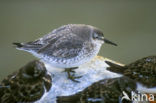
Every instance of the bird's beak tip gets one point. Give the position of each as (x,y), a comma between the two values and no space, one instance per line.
(115,44)
(109,42)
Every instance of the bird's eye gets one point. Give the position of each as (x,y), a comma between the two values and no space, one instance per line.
(95,35)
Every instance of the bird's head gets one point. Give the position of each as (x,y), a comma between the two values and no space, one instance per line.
(98,36)
(88,32)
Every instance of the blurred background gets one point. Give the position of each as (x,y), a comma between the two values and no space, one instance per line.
(129,23)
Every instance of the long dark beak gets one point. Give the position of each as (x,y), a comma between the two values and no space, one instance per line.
(109,42)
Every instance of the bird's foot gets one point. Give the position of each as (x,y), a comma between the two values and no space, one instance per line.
(72,76)
(71,70)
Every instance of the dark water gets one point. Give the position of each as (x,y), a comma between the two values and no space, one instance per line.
(129,23)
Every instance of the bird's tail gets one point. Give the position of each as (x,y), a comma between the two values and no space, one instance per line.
(28,46)
(114,67)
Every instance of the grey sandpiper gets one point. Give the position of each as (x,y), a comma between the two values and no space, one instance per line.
(67,47)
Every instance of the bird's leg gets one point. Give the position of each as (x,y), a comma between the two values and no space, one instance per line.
(72,76)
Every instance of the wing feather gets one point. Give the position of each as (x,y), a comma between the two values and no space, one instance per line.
(63,47)
(61,43)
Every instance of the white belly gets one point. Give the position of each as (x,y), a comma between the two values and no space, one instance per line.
(72,62)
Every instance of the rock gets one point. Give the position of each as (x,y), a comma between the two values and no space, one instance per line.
(143,71)
(91,72)
(102,80)
(113,90)
(30,83)
(103,91)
